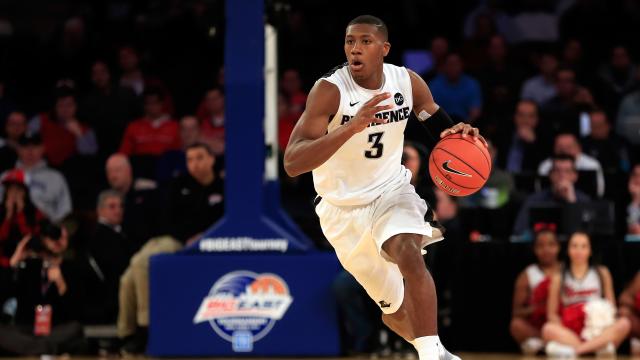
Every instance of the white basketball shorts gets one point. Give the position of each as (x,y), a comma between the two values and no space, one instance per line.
(358,232)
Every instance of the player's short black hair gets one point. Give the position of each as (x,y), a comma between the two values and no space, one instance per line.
(372,20)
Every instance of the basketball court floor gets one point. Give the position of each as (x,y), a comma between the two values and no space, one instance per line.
(464,356)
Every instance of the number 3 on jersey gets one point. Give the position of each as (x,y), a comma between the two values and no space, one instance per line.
(376,147)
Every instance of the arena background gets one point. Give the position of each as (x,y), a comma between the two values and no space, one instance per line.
(46,45)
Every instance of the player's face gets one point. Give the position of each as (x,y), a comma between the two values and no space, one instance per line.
(365,48)
(579,249)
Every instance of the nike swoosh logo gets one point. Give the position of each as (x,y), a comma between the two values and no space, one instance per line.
(445,166)
(352,104)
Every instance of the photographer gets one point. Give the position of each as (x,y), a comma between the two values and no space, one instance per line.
(44,290)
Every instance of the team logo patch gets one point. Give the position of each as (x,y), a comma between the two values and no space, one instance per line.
(398,98)
(445,167)
(242,307)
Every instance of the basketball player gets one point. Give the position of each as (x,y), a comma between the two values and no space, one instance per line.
(351,136)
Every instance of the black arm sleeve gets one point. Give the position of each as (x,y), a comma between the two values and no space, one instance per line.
(435,124)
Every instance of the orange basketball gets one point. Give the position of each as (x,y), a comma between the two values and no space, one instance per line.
(459,165)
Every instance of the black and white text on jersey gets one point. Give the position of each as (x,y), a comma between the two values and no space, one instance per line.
(393,116)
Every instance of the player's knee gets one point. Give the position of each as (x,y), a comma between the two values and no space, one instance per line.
(405,251)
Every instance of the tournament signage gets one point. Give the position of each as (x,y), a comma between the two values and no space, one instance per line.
(242,307)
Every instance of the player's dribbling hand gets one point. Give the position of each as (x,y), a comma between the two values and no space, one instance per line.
(366,114)
(465,129)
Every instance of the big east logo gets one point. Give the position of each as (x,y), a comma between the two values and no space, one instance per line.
(242,307)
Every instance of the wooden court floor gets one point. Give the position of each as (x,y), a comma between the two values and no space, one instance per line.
(464,356)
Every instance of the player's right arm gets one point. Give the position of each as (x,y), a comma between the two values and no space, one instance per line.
(310,145)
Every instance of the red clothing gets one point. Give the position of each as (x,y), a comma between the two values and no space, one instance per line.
(638,301)
(59,143)
(286,123)
(143,137)
(539,302)
(573,317)
(17,227)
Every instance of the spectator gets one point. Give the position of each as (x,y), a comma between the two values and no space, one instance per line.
(14,127)
(140,207)
(109,252)
(439,50)
(541,87)
(562,191)
(617,78)
(44,282)
(109,107)
(572,57)
(7,105)
(628,121)
(415,159)
(153,134)
(607,148)
(629,301)
(457,92)
(196,202)
(567,144)
(531,291)
(63,134)
(291,86)
(579,283)
(19,216)
(47,187)
(172,164)
(633,209)
(523,150)
(211,116)
(561,113)
(286,122)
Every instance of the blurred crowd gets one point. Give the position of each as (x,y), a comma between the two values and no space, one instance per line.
(112,150)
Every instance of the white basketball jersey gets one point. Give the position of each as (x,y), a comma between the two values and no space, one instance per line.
(368,164)
(535,276)
(576,291)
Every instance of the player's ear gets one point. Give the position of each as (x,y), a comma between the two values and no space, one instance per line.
(386,47)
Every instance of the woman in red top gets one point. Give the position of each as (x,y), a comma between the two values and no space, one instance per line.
(629,302)
(19,216)
(531,290)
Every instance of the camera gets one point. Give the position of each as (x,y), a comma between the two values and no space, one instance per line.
(48,230)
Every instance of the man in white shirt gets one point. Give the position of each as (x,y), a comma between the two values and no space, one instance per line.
(567,144)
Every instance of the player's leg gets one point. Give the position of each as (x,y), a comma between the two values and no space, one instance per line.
(615,334)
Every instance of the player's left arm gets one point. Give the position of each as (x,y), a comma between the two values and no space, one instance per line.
(432,115)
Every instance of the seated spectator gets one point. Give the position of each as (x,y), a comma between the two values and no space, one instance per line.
(457,92)
(633,209)
(44,282)
(153,134)
(541,87)
(439,50)
(629,302)
(571,291)
(62,133)
(609,149)
(522,150)
(628,122)
(109,252)
(109,107)
(286,122)
(567,144)
(172,164)
(572,57)
(195,203)
(14,128)
(140,200)
(561,113)
(291,87)
(211,116)
(19,216)
(562,191)
(616,79)
(47,187)
(531,291)
(415,159)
